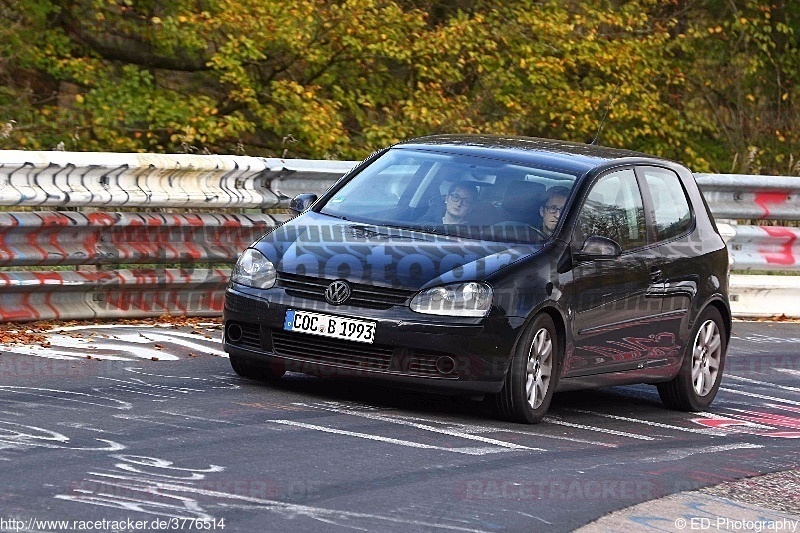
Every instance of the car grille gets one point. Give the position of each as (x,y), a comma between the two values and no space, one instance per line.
(333,351)
(423,364)
(362,295)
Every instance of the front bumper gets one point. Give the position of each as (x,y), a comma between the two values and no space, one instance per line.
(410,349)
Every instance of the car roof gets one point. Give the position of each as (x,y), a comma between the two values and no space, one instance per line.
(576,158)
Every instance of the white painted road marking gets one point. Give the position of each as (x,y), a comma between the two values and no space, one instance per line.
(760,396)
(408,443)
(68,396)
(650,423)
(161,494)
(676,455)
(424,427)
(764,383)
(117,346)
(530,431)
(552,420)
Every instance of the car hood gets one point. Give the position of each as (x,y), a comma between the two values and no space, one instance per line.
(319,246)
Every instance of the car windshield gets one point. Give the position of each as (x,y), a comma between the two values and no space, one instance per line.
(451,194)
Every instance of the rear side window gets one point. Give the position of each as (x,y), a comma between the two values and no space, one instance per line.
(614,209)
(671,212)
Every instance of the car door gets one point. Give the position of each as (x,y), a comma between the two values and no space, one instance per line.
(614,300)
(676,266)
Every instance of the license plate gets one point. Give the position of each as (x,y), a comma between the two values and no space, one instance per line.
(336,327)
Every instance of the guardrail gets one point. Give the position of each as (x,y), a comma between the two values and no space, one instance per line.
(130,293)
(53,238)
(93,179)
(196,242)
(107,264)
(764,248)
(759,248)
(751,197)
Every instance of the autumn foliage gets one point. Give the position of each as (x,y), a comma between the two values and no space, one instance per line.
(710,83)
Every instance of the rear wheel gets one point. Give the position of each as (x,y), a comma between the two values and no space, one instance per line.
(264,372)
(533,375)
(698,379)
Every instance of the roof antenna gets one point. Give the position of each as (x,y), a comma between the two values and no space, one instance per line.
(603,120)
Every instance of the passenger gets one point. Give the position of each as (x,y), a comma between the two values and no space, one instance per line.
(552,208)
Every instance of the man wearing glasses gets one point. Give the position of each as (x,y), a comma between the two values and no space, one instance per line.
(552,207)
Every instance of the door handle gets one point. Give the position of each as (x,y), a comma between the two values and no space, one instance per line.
(655,274)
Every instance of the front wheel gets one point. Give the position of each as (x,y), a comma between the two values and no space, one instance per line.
(699,377)
(533,375)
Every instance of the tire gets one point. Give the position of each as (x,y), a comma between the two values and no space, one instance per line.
(533,374)
(699,377)
(265,372)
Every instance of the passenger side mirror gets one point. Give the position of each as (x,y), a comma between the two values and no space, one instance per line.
(301,203)
(597,247)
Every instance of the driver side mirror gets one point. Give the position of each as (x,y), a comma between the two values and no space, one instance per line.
(301,203)
(597,247)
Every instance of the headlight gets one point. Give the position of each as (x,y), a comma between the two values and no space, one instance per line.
(457,299)
(254,270)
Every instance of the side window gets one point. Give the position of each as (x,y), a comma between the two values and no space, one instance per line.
(671,211)
(614,209)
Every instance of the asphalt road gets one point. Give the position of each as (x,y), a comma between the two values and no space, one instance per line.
(148,428)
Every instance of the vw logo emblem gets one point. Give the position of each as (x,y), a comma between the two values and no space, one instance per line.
(337,292)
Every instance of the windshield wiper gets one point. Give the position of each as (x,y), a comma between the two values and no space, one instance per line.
(340,217)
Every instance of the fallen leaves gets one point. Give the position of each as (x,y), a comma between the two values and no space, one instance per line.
(778,318)
(36,333)
(14,334)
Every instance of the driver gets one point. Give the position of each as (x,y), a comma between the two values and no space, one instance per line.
(459,203)
(552,208)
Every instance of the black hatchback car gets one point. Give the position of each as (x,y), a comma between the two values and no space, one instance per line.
(505,266)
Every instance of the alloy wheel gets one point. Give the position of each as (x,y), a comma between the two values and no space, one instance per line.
(539,368)
(706,357)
